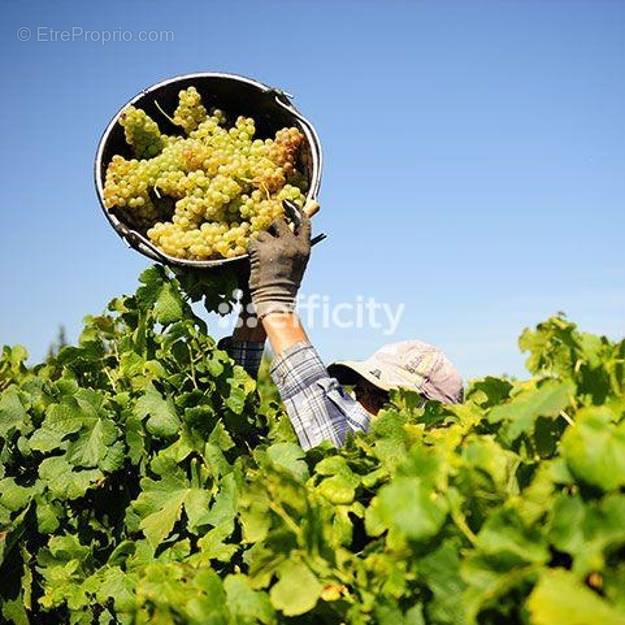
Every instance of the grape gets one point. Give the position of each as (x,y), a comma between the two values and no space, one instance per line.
(221,185)
(142,132)
(190,112)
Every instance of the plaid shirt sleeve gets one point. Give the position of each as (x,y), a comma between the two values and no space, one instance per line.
(248,354)
(318,407)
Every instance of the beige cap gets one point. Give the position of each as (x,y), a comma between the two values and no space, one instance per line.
(413,365)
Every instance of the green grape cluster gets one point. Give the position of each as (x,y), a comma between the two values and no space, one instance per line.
(203,195)
(190,112)
(142,132)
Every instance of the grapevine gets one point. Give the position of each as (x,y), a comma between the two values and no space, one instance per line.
(224,184)
(143,480)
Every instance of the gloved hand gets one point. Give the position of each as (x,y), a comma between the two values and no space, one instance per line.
(278,262)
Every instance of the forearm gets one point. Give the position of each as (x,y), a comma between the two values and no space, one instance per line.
(283,330)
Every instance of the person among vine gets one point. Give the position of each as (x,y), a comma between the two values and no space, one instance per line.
(316,402)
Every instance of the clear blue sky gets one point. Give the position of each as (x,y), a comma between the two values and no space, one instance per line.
(475,158)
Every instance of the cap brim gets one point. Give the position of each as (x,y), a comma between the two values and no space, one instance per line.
(349,371)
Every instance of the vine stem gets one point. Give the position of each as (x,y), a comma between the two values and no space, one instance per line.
(281,512)
(567,418)
(160,108)
(192,366)
(463,527)
(110,379)
(461,523)
(265,189)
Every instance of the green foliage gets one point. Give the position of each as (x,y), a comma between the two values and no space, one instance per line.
(145,479)
(58,344)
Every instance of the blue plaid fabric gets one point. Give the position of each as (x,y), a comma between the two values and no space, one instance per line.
(318,407)
(248,354)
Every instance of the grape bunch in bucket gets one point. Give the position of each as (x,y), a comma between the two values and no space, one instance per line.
(203,194)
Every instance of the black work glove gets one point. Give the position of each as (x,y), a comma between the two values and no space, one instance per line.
(278,260)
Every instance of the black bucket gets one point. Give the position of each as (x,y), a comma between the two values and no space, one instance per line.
(236,95)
